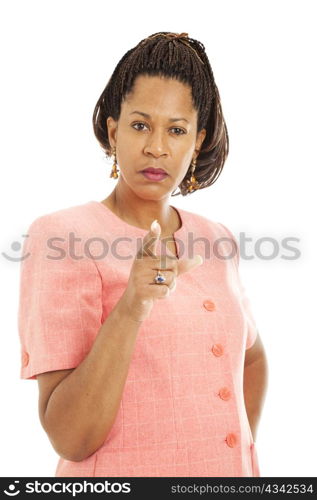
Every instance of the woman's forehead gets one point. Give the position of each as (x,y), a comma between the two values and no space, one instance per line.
(154,92)
(145,81)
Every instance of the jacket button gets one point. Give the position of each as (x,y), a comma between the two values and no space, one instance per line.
(25,358)
(217,349)
(209,305)
(225,393)
(231,439)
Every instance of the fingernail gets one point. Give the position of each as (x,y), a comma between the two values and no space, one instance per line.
(154,226)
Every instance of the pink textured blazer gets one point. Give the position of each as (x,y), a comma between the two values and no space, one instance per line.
(182,411)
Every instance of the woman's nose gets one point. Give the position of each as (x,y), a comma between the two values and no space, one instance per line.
(156,144)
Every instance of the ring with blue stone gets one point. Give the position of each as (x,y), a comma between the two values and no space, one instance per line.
(159,278)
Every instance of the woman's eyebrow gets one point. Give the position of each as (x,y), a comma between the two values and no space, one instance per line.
(149,116)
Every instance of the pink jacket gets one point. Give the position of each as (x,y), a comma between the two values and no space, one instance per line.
(182,411)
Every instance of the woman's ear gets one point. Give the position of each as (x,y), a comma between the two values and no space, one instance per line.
(112,131)
(200,139)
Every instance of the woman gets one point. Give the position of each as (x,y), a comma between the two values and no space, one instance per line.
(130,385)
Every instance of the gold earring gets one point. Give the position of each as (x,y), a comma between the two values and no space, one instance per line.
(114,170)
(192,184)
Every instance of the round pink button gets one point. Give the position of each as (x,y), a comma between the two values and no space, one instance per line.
(217,349)
(209,305)
(225,393)
(231,439)
(25,358)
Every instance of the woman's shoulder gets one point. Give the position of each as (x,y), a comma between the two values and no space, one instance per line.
(203,222)
(58,239)
(73,218)
(217,232)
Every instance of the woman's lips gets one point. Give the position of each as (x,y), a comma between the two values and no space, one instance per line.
(154,177)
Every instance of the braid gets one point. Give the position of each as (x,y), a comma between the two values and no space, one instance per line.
(171,55)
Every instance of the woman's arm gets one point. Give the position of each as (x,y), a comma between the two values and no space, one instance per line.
(255,382)
(82,408)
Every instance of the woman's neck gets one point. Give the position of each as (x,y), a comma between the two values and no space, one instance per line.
(141,213)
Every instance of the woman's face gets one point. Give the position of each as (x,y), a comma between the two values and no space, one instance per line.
(157,128)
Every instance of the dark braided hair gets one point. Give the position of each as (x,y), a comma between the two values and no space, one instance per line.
(179,57)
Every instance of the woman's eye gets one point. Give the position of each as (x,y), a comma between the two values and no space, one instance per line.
(179,131)
(139,123)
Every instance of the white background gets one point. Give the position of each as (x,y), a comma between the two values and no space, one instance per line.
(57,56)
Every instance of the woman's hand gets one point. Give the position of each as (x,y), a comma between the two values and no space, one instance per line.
(141,291)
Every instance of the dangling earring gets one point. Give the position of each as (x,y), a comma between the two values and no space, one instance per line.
(192,184)
(114,170)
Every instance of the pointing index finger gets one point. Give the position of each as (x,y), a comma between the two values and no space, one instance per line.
(150,240)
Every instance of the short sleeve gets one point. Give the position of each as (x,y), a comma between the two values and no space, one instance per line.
(252,327)
(60,300)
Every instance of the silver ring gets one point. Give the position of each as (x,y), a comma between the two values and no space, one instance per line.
(159,278)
